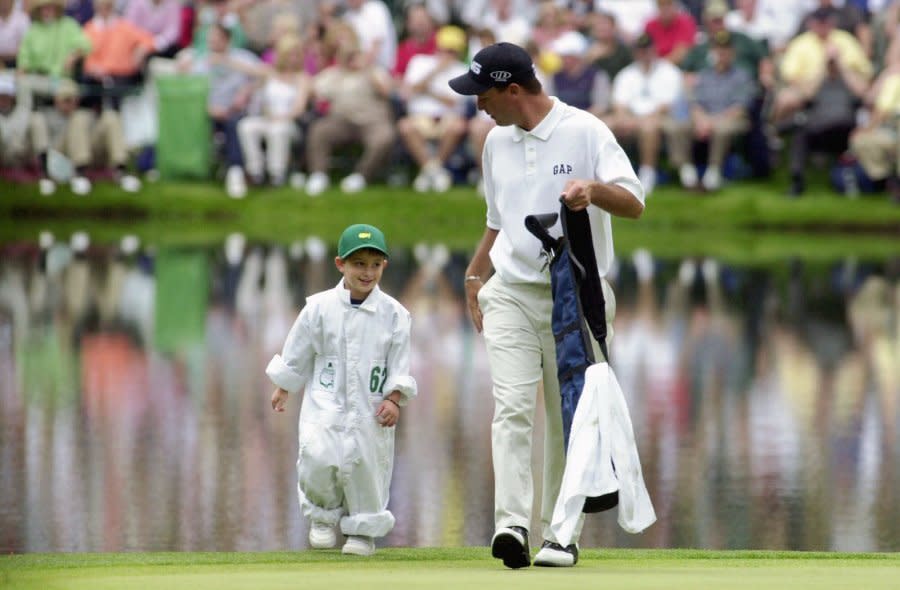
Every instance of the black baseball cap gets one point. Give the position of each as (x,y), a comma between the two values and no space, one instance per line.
(495,66)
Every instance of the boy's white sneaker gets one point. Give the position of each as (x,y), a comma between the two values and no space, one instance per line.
(316,184)
(321,536)
(359,545)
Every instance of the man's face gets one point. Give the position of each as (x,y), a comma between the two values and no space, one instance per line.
(603,28)
(49,13)
(419,22)
(362,271)
(644,55)
(66,104)
(715,24)
(498,104)
(104,7)
(667,10)
(821,27)
(217,41)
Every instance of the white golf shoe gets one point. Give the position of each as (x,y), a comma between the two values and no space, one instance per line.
(555,555)
(688,175)
(712,179)
(80,185)
(46,186)
(321,536)
(316,184)
(353,184)
(359,545)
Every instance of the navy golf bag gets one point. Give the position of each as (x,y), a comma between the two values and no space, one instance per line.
(579,312)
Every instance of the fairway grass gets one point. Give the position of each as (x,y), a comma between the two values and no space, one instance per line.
(461,568)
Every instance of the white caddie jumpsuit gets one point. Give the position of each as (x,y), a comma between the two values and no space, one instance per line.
(348,358)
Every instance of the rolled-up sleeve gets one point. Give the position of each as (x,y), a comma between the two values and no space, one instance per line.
(399,378)
(290,369)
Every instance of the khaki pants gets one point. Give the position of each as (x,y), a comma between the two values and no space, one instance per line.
(332,131)
(87,139)
(877,151)
(16,148)
(680,137)
(522,354)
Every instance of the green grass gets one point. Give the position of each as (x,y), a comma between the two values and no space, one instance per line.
(451,568)
(748,223)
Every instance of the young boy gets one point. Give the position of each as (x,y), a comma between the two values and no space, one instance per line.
(350,349)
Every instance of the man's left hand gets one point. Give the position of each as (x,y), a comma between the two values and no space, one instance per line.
(577,195)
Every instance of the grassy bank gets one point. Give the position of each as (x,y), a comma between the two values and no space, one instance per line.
(747,223)
(445,568)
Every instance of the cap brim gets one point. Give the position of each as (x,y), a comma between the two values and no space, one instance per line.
(363,247)
(467,85)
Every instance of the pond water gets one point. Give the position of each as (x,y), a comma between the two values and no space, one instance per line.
(134,408)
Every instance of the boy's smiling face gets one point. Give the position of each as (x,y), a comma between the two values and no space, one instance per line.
(362,271)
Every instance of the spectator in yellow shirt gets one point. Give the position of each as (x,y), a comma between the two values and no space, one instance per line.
(875,143)
(805,62)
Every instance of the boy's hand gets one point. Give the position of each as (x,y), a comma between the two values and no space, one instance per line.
(388,413)
(279,398)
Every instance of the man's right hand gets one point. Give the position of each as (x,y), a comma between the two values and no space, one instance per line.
(472,289)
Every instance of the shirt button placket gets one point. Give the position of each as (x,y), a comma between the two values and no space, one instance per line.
(530,157)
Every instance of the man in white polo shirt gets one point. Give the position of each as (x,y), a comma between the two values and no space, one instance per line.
(541,151)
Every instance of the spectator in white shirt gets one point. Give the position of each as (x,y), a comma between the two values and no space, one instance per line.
(631,15)
(507,24)
(643,96)
(374,27)
(772,21)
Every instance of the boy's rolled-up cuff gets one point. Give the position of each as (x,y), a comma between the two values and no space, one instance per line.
(283,376)
(406,385)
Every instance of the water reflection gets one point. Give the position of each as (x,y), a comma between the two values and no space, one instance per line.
(134,408)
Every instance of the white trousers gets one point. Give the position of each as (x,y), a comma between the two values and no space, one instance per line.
(344,476)
(522,353)
(277,135)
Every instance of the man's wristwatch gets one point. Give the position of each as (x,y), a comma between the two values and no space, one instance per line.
(473,278)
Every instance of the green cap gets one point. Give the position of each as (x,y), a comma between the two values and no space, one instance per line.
(359,236)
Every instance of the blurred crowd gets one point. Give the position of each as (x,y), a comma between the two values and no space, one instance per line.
(701,92)
(134,409)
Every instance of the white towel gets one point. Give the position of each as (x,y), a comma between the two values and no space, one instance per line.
(602,435)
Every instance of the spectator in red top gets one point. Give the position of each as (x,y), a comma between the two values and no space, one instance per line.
(673,30)
(420,34)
